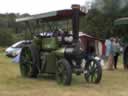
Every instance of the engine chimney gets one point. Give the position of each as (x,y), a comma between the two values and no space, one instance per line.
(75,22)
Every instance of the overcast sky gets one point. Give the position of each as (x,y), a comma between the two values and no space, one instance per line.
(36,6)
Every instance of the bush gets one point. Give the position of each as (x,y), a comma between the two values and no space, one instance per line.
(6,37)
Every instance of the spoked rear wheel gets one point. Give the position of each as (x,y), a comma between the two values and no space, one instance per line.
(93,71)
(28,61)
(63,73)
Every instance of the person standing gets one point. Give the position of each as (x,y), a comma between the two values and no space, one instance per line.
(109,53)
(116,49)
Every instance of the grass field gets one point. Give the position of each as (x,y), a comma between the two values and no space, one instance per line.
(114,83)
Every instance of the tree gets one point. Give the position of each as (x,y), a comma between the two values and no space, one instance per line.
(99,19)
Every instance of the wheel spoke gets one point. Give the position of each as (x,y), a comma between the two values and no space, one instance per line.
(89,78)
(62,70)
(64,75)
(94,68)
(94,77)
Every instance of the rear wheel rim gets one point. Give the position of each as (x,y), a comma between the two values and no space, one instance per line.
(26,62)
(92,72)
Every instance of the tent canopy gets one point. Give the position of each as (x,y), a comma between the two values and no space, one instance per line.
(121,21)
(50,16)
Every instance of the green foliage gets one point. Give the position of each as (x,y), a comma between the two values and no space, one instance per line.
(99,19)
(8,29)
(5,38)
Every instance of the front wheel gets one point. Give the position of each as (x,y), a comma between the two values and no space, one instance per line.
(93,71)
(63,73)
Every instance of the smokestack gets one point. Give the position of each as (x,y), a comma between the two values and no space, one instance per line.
(75,22)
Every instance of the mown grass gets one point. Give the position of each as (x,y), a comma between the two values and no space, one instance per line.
(114,83)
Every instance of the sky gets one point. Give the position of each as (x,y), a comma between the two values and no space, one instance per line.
(36,6)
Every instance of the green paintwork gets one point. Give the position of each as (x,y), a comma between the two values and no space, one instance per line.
(50,63)
(59,52)
(50,43)
(51,59)
(37,41)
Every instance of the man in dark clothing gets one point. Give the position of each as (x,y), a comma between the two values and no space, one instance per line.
(116,49)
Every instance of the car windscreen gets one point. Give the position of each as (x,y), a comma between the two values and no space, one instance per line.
(16,45)
(20,44)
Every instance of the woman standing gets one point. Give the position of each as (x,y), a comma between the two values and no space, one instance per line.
(109,53)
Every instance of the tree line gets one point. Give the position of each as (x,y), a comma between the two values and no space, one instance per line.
(8,29)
